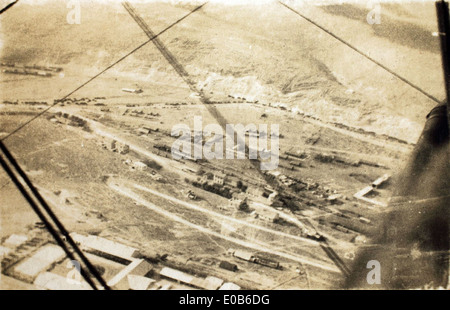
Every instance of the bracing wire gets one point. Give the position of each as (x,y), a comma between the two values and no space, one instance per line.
(98,74)
(419,89)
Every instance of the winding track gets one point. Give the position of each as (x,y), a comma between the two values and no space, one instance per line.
(258,247)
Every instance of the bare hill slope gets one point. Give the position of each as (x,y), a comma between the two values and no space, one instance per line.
(260,52)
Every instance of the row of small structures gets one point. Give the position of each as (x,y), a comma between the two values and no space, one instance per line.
(136,272)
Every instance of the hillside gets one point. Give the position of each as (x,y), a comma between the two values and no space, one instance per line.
(260,52)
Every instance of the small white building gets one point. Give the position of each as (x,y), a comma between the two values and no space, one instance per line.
(209,283)
(15,240)
(40,261)
(244,255)
(229,286)
(219,178)
(139,283)
(138,165)
(51,281)
(269,216)
(180,276)
(132,90)
(378,182)
(138,267)
(105,247)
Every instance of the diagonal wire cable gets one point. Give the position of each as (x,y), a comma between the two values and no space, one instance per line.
(100,73)
(178,67)
(329,251)
(218,116)
(37,195)
(419,89)
(173,62)
(8,6)
(44,219)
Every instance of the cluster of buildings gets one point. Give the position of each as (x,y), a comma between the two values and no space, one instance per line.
(365,193)
(207,283)
(115,146)
(217,177)
(28,72)
(35,67)
(80,101)
(46,266)
(20,260)
(254,258)
(45,71)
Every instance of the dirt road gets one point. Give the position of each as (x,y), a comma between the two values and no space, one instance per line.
(258,246)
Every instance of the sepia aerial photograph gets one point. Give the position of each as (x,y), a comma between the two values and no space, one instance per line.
(225,145)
